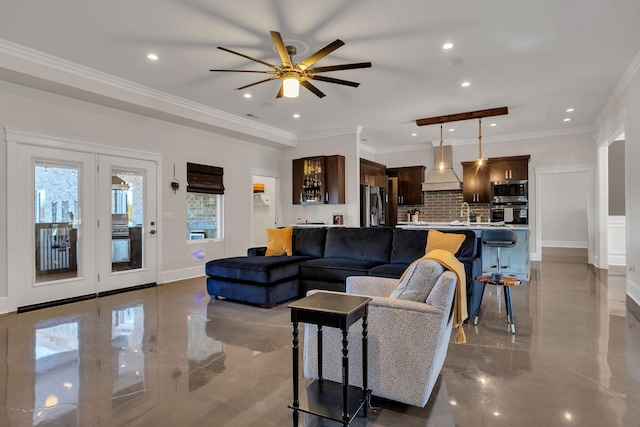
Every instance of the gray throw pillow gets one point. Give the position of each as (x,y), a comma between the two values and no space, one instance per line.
(418,281)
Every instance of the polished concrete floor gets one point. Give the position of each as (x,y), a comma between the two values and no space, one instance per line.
(170,356)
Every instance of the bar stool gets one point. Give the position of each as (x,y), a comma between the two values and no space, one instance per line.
(499,238)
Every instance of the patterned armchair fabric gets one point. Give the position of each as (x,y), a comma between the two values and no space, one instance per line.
(408,340)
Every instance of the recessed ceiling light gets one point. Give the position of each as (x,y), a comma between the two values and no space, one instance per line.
(247,95)
(451,129)
(567,119)
(570,110)
(152,56)
(414,134)
(296,115)
(447,46)
(465,84)
(492,124)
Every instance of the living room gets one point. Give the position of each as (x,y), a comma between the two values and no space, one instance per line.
(44,97)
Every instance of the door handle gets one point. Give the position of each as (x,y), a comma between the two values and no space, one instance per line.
(152,231)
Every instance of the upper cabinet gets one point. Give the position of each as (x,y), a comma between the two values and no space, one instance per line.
(369,171)
(476,187)
(505,169)
(318,180)
(409,184)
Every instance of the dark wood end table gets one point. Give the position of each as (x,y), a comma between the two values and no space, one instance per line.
(336,311)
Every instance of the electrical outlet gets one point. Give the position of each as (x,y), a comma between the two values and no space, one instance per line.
(632,267)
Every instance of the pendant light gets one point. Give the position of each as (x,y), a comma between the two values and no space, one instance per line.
(480,159)
(441,165)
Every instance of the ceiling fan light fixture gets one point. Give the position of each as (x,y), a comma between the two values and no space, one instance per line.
(291,85)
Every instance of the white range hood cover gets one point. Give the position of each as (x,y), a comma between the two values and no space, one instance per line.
(445,179)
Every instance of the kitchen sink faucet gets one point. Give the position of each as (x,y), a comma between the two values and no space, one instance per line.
(465,204)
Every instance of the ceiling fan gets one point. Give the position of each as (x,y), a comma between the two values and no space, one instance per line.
(294,74)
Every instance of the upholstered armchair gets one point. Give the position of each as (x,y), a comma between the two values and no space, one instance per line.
(408,340)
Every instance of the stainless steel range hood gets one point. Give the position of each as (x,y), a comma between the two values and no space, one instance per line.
(445,179)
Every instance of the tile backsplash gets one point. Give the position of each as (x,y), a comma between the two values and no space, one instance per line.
(443,206)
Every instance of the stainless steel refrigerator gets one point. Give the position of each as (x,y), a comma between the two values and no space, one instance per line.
(372,200)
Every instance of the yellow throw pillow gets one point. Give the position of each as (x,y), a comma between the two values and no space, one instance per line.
(279,241)
(449,242)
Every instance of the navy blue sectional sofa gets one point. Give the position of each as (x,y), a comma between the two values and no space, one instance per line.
(324,257)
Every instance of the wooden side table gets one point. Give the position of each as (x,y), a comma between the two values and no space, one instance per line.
(506,282)
(323,396)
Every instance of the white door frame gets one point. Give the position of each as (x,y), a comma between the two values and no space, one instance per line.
(539,172)
(270,174)
(18,137)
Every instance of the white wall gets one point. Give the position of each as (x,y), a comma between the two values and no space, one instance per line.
(346,145)
(33,110)
(564,209)
(623,109)
(616,240)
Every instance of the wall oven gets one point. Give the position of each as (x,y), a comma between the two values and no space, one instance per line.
(510,213)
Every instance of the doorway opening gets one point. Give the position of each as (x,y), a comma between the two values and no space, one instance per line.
(264,207)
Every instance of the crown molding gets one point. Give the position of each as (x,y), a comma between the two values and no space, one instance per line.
(485,140)
(327,133)
(627,76)
(46,60)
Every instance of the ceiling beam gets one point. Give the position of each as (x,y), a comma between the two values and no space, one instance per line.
(463,116)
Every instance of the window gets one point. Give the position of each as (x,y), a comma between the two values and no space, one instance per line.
(205,189)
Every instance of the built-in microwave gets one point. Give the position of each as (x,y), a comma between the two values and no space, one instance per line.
(509,191)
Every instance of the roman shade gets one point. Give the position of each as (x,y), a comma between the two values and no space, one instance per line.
(204,179)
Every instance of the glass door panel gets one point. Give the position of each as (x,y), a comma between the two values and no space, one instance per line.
(127,219)
(55,226)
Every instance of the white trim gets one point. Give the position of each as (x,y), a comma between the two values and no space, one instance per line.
(633,290)
(539,171)
(181,274)
(630,72)
(582,244)
(39,139)
(327,133)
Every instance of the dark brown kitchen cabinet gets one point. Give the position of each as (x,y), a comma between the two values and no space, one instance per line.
(409,184)
(505,169)
(476,187)
(369,170)
(318,180)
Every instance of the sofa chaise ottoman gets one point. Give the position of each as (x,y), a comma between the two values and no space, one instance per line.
(265,280)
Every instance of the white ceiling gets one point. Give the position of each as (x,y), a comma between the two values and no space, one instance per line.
(538,58)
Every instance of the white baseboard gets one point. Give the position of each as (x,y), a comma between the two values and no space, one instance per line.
(633,291)
(7,305)
(617,259)
(181,274)
(565,244)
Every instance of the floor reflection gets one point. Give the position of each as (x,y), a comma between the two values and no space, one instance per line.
(171,356)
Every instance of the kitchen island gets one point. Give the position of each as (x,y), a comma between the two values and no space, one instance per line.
(515,261)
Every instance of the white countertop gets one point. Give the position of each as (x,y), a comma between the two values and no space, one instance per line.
(422,225)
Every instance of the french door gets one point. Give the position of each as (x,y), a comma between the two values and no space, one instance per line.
(127,227)
(80,223)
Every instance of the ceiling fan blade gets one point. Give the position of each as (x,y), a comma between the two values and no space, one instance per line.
(280,92)
(312,88)
(282,49)
(340,67)
(246,71)
(247,57)
(337,81)
(306,63)
(256,83)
